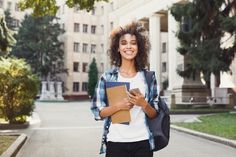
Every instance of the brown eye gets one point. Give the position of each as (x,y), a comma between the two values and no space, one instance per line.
(123,42)
(134,43)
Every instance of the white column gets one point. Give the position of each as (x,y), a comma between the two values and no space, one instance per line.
(43,95)
(59,91)
(172,52)
(155,53)
(213,85)
(52,91)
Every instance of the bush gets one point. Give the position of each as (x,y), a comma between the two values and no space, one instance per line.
(93,77)
(18,88)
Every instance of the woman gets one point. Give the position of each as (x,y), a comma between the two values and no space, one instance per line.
(128,53)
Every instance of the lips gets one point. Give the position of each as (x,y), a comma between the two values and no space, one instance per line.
(129,52)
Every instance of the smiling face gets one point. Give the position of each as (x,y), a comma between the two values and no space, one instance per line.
(128,47)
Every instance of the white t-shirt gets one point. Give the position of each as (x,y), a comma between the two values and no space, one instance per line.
(136,130)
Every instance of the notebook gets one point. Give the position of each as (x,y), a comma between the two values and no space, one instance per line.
(116,91)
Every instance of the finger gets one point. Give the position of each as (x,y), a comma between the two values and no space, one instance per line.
(132,96)
(135,92)
(131,92)
(132,101)
(139,94)
(136,97)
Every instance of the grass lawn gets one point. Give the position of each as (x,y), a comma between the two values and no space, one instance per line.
(5,142)
(222,124)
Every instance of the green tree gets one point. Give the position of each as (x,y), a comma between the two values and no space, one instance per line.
(93,77)
(203,24)
(6,38)
(37,42)
(18,88)
(50,7)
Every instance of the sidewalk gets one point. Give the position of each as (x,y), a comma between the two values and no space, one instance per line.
(77,125)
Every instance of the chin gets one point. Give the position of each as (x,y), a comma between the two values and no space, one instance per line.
(129,58)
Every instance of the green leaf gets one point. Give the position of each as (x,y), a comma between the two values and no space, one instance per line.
(50,7)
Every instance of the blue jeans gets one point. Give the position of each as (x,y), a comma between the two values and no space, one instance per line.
(129,149)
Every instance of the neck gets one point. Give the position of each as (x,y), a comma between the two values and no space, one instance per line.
(128,66)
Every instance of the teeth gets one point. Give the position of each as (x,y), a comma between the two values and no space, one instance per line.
(128,51)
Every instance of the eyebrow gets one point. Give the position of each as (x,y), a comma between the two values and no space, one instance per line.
(126,40)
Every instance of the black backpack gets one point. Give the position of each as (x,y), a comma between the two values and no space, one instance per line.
(160,125)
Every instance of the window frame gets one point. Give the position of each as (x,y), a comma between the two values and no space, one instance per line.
(76,86)
(76,66)
(85,28)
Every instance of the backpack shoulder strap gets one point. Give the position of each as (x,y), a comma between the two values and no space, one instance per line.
(148,75)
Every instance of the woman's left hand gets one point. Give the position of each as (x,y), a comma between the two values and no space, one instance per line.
(137,99)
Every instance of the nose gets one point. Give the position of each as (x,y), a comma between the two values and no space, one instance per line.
(128,45)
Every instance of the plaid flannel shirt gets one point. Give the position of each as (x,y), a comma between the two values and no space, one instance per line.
(100,101)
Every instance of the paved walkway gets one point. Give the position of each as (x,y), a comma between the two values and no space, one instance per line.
(68,130)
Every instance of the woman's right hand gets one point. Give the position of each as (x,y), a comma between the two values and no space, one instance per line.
(110,110)
(124,105)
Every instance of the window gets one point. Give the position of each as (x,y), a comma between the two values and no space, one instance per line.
(85,86)
(93,48)
(76,27)
(93,11)
(76,47)
(102,29)
(85,67)
(85,28)
(85,47)
(93,29)
(1,4)
(76,66)
(164,67)
(9,5)
(163,47)
(75,86)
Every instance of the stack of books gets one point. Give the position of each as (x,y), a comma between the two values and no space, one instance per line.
(117,92)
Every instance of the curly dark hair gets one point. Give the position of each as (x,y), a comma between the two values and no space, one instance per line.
(134,28)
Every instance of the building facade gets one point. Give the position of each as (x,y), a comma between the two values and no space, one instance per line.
(164,58)
(83,40)
(87,36)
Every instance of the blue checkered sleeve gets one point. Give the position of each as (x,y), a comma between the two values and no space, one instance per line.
(99,98)
(154,93)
